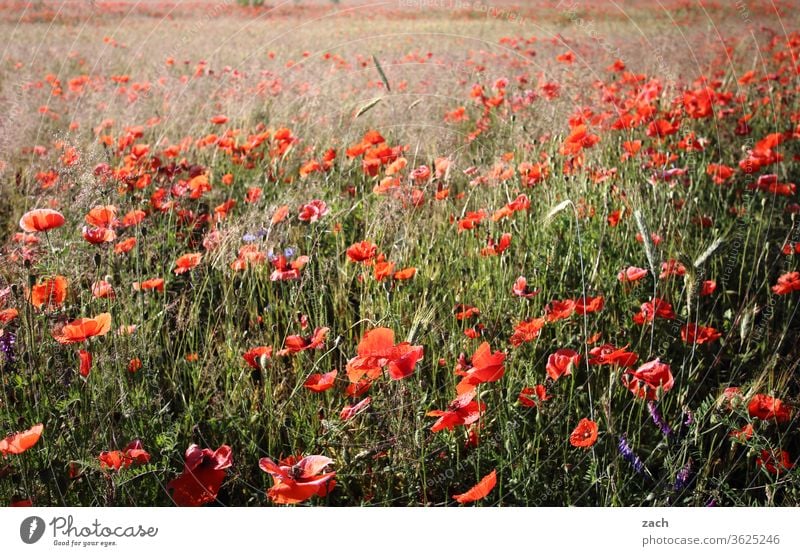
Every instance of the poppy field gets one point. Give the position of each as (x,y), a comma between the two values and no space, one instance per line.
(421,254)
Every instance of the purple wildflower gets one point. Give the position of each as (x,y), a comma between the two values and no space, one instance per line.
(7,342)
(658,419)
(683,476)
(628,455)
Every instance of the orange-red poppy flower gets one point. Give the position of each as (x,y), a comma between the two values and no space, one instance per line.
(98,235)
(652,309)
(526,331)
(767,408)
(41,220)
(103,290)
(646,381)
(21,441)
(533,397)
(85,362)
(378,350)
(297,481)
(362,251)
(561,363)
(150,284)
(125,246)
(775,462)
(521,288)
(285,270)
(319,382)
(134,453)
(51,292)
(607,354)
(313,211)
(81,330)
(479,491)
(464,410)
(7,315)
(486,367)
(787,283)
(585,434)
(694,334)
(296,344)
(405,273)
(350,411)
(203,473)
(258,356)
(631,274)
(187,262)
(280,214)
(558,310)
(102,216)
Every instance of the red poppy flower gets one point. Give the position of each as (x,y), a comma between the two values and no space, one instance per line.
(589,304)
(103,290)
(631,274)
(378,350)
(767,408)
(479,491)
(7,315)
(187,262)
(645,381)
(51,292)
(532,397)
(350,411)
(584,435)
(319,382)
(694,334)
(86,362)
(743,434)
(787,283)
(526,331)
(96,236)
(133,453)
(486,367)
(463,312)
(775,463)
(102,216)
(125,246)
(150,284)
(521,288)
(285,270)
(362,251)
(280,215)
(405,273)
(21,441)
(672,268)
(497,247)
(296,344)
(258,356)
(461,411)
(708,287)
(41,220)
(81,330)
(562,362)
(383,268)
(203,473)
(652,309)
(134,365)
(559,310)
(297,481)
(133,218)
(313,211)
(607,354)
